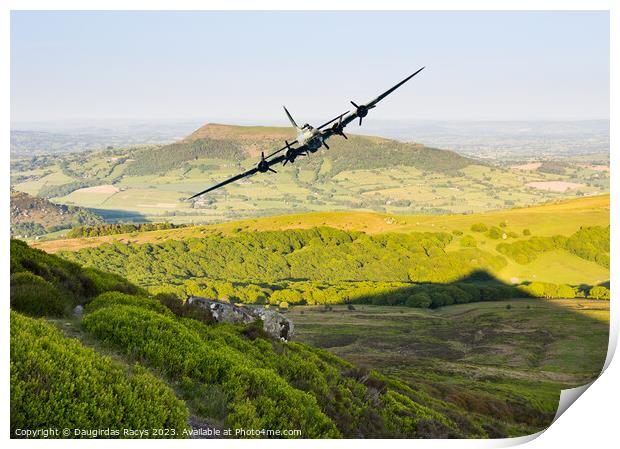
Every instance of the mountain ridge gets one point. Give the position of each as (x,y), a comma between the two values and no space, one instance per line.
(238,143)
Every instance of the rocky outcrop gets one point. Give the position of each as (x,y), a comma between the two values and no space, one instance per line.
(275,324)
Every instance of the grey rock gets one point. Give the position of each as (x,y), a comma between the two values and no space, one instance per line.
(275,324)
(78,311)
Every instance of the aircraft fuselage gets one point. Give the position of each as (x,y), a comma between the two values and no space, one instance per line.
(310,137)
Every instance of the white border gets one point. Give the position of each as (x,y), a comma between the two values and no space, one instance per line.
(589,422)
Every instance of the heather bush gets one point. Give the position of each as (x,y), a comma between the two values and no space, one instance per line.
(57,382)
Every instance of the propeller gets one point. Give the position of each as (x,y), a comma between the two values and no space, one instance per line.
(263,165)
(290,153)
(362,110)
(337,128)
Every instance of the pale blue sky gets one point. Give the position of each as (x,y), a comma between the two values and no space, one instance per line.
(232,66)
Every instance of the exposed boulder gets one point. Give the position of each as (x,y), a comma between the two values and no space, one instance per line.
(275,324)
(78,311)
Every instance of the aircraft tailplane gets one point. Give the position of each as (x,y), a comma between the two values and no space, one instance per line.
(290,118)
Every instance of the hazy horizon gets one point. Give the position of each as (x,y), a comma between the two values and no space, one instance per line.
(242,66)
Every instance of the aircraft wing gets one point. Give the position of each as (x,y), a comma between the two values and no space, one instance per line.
(228,181)
(281,149)
(245,174)
(392,89)
(333,120)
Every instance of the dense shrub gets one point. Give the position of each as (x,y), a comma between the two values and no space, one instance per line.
(399,408)
(565,291)
(589,243)
(494,233)
(235,376)
(257,398)
(468,241)
(33,295)
(116,298)
(56,382)
(184,309)
(118,228)
(64,279)
(479,227)
(320,254)
(421,300)
(599,292)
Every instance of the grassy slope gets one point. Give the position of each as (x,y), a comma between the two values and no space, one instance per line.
(564,217)
(231,376)
(482,357)
(482,365)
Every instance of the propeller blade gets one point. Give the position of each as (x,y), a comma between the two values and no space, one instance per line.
(272,170)
(344,135)
(326,146)
(360,121)
(356,106)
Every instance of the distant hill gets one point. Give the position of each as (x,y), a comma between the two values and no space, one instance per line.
(32,216)
(540,223)
(236,143)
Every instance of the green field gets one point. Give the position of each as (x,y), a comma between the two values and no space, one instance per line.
(508,359)
(361,174)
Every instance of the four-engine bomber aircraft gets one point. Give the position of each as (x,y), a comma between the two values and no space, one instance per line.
(309,139)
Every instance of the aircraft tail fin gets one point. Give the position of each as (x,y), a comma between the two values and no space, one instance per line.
(290,118)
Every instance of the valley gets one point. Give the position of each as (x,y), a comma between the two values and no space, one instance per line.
(506,358)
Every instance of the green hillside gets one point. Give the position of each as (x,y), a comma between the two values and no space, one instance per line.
(327,266)
(165,366)
(535,244)
(32,216)
(229,376)
(238,143)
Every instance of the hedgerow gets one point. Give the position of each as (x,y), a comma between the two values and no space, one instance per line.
(56,382)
